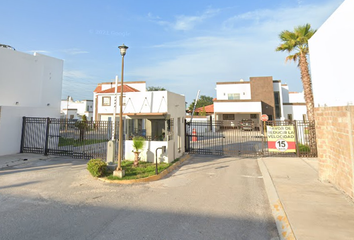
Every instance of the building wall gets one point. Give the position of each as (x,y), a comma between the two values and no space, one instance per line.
(335,143)
(176,109)
(11,125)
(262,90)
(30,80)
(30,86)
(239,107)
(331,64)
(225,88)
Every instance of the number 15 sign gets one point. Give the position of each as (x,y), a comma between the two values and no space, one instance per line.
(281,139)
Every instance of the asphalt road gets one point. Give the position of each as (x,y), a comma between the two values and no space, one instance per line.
(207,198)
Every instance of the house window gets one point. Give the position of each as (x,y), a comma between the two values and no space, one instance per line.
(253,116)
(106,101)
(228,117)
(277,104)
(71,117)
(290,117)
(233,96)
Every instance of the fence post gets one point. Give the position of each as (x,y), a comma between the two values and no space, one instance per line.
(23,134)
(296,139)
(46,137)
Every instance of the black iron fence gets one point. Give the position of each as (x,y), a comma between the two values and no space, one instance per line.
(273,138)
(78,139)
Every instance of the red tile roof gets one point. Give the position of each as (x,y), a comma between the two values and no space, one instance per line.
(98,89)
(208,109)
(126,88)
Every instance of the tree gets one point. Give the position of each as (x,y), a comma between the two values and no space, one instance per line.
(298,41)
(83,127)
(203,112)
(202,102)
(156,89)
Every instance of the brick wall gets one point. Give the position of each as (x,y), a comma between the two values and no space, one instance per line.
(335,143)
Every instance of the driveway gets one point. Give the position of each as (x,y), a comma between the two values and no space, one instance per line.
(207,198)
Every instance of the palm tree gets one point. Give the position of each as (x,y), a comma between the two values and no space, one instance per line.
(298,41)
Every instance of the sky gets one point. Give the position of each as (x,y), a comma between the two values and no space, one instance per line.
(183,46)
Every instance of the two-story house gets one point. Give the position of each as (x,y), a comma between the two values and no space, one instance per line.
(250,99)
(156,115)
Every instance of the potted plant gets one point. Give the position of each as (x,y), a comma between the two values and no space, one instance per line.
(138,145)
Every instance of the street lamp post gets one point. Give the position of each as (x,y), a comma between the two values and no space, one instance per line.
(119,171)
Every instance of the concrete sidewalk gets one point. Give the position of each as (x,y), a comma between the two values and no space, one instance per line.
(304,207)
(21,158)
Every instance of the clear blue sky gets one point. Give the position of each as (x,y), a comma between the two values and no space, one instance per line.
(183,46)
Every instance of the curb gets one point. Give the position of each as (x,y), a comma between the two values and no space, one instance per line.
(151,178)
(283,225)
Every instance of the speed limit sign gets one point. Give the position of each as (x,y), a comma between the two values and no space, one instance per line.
(281,145)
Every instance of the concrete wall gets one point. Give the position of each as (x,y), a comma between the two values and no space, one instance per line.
(237,107)
(29,80)
(11,125)
(30,86)
(330,55)
(225,88)
(148,154)
(335,143)
(177,112)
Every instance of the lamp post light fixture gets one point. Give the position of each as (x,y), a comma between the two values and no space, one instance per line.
(119,171)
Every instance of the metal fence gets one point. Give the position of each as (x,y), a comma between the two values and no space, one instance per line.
(78,139)
(213,137)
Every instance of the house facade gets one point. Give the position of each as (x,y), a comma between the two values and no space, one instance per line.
(30,86)
(158,116)
(250,99)
(331,70)
(70,109)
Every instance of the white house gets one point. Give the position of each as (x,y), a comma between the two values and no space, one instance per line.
(71,109)
(250,99)
(30,86)
(331,62)
(157,115)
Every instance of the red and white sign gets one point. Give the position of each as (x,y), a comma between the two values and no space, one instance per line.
(281,139)
(264,117)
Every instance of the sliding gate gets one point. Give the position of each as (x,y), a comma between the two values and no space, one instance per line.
(215,138)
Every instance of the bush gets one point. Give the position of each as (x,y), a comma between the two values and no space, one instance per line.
(304,148)
(97,167)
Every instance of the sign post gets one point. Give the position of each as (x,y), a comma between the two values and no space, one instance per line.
(264,118)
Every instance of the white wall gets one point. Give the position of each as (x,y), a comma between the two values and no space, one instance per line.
(176,109)
(331,58)
(30,80)
(237,107)
(148,154)
(296,97)
(285,93)
(11,125)
(244,89)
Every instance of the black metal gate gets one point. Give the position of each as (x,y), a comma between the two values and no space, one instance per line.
(77,139)
(210,137)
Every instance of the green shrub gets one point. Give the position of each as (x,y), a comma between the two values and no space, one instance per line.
(97,167)
(304,148)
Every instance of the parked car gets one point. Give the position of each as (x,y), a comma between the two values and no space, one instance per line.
(246,124)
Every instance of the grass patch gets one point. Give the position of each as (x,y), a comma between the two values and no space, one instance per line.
(77,143)
(145,169)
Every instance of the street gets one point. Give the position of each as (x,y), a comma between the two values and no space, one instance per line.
(209,197)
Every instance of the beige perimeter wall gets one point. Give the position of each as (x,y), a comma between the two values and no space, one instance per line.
(335,142)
